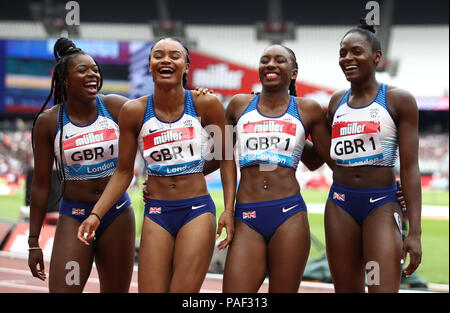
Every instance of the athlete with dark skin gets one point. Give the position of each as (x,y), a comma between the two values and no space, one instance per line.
(76,83)
(351,245)
(283,256)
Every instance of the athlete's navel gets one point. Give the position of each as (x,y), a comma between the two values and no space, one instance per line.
(265,185)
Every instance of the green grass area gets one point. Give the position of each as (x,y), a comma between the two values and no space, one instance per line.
(435,233)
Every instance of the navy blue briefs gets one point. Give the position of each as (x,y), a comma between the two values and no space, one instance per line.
(81,210)
(361,202)
(174,214)
(266,216)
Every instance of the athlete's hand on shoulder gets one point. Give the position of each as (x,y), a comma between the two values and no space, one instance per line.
(413,246)
(86,231)
(226,220)
(203,91)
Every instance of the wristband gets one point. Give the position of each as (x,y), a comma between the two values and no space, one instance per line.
(34,248)
(99,218)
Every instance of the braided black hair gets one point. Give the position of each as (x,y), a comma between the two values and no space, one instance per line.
(367,31)
(188,61)
(292,87)
(63,51)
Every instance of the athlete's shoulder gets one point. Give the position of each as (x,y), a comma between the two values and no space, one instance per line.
(135,106)
(396,94)
(237,105)
(113,102)
(49,116)
(207,99)
(46,122)
(310,110)
(239,101)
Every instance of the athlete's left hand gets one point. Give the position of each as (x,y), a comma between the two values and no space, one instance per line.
(226,220)
(413,246)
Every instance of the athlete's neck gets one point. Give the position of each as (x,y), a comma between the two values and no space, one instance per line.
(168,100)
(79,108)
(365,87)
(273,100)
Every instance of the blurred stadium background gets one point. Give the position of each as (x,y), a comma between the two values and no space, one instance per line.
(226,39)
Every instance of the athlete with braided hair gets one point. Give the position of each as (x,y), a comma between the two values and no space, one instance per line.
(369,122)
(80,132)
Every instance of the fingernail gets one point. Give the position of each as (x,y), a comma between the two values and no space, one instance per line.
(402,261)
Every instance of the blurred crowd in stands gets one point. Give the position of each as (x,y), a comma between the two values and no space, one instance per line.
(16,158)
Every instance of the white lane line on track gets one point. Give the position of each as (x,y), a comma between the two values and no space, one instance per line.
(21,285)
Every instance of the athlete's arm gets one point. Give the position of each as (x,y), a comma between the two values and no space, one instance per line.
(212,112)
(130,119)
(40,186)
(406,108)
(318,128)
(310,157)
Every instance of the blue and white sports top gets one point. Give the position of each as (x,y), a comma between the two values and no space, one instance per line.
(173,148)
(264,139)
(90,151)
(364,135)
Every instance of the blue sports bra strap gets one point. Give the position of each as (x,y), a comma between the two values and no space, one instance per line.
(344,98)
(381,96)
(293,108)
(189,106)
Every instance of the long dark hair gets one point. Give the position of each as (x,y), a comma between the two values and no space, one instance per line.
(64,50)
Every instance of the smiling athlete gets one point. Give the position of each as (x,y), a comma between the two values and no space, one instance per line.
(81,133)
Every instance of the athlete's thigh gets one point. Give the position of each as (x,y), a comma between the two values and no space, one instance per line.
(155,258)
(382,245)
(114,255)
(288,252)
(344,249)
(194,247)
(71,261)
(246,262)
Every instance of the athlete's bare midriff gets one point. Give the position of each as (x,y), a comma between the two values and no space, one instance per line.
(264,185)
(177,187)
(364,176)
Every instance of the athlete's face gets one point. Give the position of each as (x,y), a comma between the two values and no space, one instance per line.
(82,77)
(168,62)
(276,68)
(356,58)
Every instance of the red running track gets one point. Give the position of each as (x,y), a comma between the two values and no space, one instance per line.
(15,277)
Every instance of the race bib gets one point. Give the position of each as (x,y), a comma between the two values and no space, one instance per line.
(356,143)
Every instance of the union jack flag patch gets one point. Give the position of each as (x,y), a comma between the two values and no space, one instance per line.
(154,210)
(77,211)
(251,214)
(339,196)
